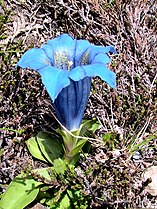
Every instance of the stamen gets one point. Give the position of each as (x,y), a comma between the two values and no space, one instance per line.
(70,63)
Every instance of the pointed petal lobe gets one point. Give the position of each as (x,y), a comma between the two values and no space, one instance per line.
(101,58)
(77,73)
(34,59)
(100,70)
(95,50)
(54,80)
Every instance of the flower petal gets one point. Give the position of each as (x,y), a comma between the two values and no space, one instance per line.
(54,80)
(81,47)
(99,70)
(71,103)
(77,73)
(34,59)
(48,51)
(101,58)
(95,50)
(63,50)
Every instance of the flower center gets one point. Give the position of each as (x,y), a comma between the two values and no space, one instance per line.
(61,60)
(85,59)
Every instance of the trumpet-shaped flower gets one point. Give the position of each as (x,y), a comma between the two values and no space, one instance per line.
(66,67)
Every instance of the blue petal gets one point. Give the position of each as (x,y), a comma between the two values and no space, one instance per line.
(95,50)
(63,50)
(101,58)
(48,51)
(77,73)
(61,41)
(71,103)
(34,59)
(81,47)
(99,70)
(54,80)
(111,49)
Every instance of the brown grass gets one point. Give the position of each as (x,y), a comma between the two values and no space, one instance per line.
(128,113)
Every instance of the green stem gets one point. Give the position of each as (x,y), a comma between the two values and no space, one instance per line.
(70,143)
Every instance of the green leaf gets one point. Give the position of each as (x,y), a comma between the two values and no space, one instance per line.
(74,159)
(43,172)
(61,201)
(78,147)
(34,149)
(140,145)
(69,140)
(1,152)
(88,127)
(59,166)
(50,147)
(20,192)
(109,139)
(65,203)
(45,147)
(13,130)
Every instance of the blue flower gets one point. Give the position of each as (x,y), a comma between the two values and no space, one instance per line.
(66,67)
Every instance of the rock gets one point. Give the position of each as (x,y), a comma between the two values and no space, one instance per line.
(151,172)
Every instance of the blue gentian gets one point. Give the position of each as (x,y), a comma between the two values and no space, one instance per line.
(66,67)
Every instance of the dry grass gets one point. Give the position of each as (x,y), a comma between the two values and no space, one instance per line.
(128,113)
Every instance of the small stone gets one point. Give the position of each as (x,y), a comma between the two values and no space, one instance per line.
(151,172)
(39,206)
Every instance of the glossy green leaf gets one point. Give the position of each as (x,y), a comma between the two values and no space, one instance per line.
(50,147)
(20,193)
(34,149)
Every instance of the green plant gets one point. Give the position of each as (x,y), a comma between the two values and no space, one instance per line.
(40,183)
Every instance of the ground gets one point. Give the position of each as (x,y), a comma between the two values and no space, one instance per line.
(127,115)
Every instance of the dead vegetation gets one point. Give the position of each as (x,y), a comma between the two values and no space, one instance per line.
(129,113)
